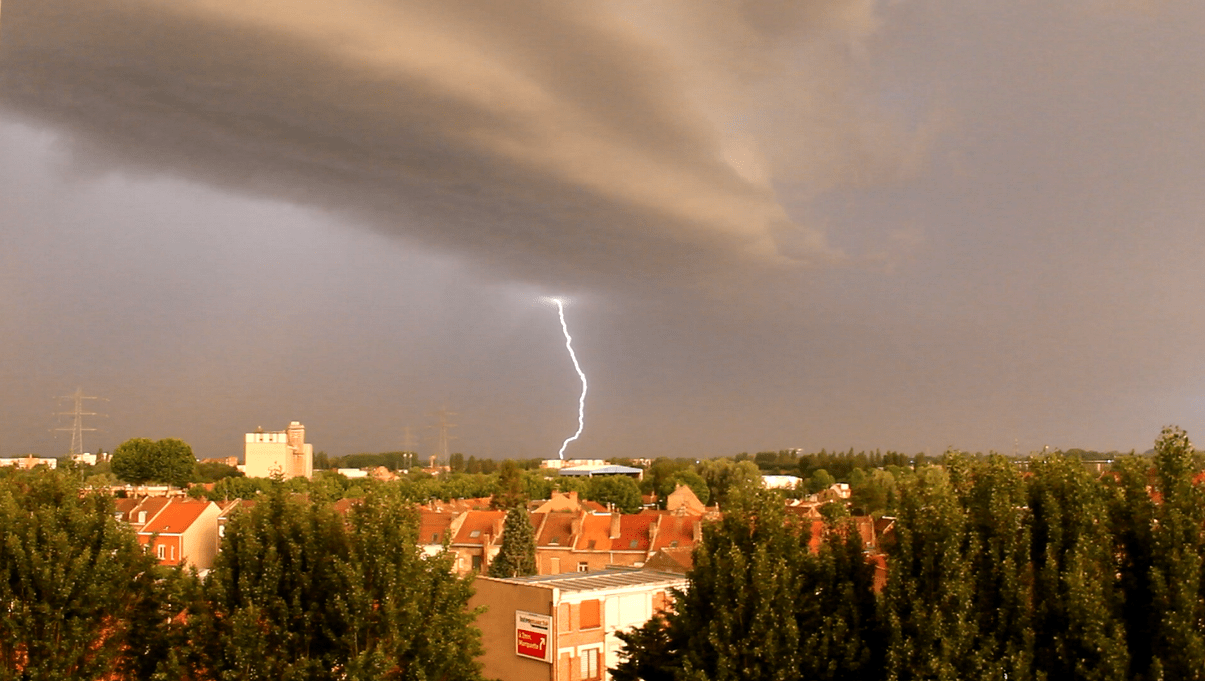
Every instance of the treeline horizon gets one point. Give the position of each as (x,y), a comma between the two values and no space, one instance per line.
(1054,572)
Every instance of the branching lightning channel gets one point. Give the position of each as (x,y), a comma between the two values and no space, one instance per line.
(581,403)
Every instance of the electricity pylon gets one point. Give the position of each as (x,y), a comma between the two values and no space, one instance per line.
(77,428)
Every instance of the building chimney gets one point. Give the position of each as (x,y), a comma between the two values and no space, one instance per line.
(614,525)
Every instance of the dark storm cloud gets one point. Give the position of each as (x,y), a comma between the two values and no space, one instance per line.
(553,141)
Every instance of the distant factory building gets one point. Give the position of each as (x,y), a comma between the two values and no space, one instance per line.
(278,453)
(596,469)
(29,461)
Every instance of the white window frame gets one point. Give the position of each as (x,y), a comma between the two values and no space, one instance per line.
(585,657)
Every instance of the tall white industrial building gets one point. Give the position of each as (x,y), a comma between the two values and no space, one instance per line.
(278,453)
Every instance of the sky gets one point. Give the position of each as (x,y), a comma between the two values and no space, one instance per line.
(908,225)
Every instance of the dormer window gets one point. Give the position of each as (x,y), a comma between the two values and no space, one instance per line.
(142,517)
(435,538)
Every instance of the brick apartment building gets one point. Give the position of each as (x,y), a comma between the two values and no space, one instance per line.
(562,627)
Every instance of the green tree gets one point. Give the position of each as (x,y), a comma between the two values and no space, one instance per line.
(929,599)
(649,652)
(72,581)
(517,556)
(838,612)
(738,620)
(212,472)
(297,593)
(820,481)
(1077,631)
(176,462)
(618,490)
(512,490)
(1177,551)
(997,547)
(134,460)
(1132,518)
(139,461)
(726,478)
(874,492)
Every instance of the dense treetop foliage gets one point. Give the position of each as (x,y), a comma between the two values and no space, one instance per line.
(1044,570)
(297,592)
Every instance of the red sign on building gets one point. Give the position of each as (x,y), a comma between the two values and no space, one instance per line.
(532,633)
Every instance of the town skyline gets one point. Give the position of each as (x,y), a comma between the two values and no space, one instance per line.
(902,226)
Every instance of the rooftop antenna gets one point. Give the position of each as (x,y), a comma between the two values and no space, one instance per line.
(77,428)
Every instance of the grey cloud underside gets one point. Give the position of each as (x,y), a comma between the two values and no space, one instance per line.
(245,108)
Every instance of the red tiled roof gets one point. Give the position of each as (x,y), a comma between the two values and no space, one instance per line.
(433,526)
(151,505)
(480,522)
(177,517)
(634,528)
(595,534)
(594,506)
(124,506)
(558,526)
(675,531)
(679,560)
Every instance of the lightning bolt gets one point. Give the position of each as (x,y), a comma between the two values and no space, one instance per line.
(581,403)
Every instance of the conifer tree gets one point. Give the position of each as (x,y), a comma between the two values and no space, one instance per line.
(1078,632)
(929,599)
(998,549)
(1177,552)
(511,492)
(517,556)
(651,652)
(1132,520)
(738,620)
(842,636)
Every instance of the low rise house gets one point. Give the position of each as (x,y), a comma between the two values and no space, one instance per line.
(562,627)
(183,532)
(477,541)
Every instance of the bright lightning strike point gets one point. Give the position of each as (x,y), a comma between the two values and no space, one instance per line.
(581,403)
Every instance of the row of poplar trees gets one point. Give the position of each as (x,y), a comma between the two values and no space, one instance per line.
(297,592)
(993,573)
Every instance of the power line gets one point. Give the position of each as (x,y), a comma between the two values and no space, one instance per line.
(77,428)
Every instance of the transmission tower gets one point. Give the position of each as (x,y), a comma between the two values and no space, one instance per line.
(77,428)
(443,437)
